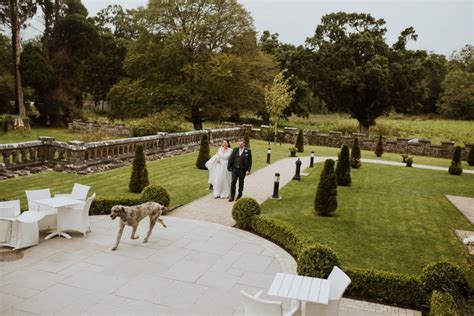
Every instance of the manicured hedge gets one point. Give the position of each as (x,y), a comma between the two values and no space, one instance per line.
(442,304)
(243,211)
(445,277)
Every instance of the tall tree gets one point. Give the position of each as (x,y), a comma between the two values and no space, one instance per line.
(7,91)
(15,13)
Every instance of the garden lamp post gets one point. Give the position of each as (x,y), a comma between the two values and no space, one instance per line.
(298,169)
(311,160)
(276,186)
(269,154)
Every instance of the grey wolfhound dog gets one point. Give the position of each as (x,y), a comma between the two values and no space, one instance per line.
(132,215)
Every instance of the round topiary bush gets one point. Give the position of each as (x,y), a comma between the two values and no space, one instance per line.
(243,211)
(317,261)
(456,166)
(156,193)
(445,277)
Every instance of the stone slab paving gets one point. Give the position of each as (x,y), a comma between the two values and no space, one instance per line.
(464,204)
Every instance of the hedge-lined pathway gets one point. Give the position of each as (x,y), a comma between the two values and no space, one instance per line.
(259,185)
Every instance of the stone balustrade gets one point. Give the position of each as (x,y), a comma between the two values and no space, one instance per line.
(80,126)
(423,147)
(82,157)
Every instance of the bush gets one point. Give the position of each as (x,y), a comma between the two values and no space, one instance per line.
(157,122)
(343,168)
(442,304)
(247,139)
(300,142)
(445,277)
(379,148)
(470,156)
(355,154)
(456,166)
(243,211)
(317,261)
(204,153)
(139,177)
(325,201)
(156,193)
(386,287)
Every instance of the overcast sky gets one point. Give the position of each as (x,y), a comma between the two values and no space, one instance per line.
(442,26)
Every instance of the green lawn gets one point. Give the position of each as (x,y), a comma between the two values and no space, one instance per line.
(61,134)
(391,218)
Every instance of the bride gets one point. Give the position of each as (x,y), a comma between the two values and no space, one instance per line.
(219,177)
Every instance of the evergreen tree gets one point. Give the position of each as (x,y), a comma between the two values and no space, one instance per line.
(379,148)
(355,154)
(470,157)
(139,177)
(343,167)
(204,153)
(456,167)
(325,201)
(300,142)
(247,139)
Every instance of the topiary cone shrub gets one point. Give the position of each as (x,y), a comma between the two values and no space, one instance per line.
(204,153)
(156,193)
(343,167)
(379,148)
(300,142)
(317,261)
(355,154)
(445,277)
(470,156)
(139,177)
(325,201)
(247,139)
(243,211)
(456,166)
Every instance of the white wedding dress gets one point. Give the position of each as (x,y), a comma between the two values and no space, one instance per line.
(219,176)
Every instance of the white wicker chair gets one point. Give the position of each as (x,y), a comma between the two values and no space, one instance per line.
(50,214)
(79,192)
(9,209)
(256,306)
(76,217)
(339,282)
(21,231)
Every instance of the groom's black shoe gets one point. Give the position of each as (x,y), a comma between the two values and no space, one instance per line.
(231,199)
(238,197)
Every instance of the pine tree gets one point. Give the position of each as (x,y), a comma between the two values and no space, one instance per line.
(343,167)
(456,166)
(247,139)
(379,148)
(300,142)
(355,154)
(470,156)
(139,177)
(325,201)
(204,153)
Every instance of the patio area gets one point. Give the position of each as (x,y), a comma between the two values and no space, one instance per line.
(191,267)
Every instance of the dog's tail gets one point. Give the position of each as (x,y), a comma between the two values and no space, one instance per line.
(171,209)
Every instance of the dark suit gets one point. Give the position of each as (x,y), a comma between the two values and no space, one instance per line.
(239,165)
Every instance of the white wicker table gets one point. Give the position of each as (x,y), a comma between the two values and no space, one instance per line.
(58,203)
(300,288)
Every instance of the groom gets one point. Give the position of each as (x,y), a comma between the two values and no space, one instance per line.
(240,163)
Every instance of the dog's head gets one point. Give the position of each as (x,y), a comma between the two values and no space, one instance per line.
(117,211)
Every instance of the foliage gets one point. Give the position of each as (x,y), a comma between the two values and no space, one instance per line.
(300,141)
(317,261)
(163,121)
(456,165)
(244,210)
(457,99)
(293,151)
(442,304)
(355,154)
(247,139)
(379,147)
(325,202)
(204,153)
(139,176)
(156,193)
(343,168)
(7,91)
(277,98)
(470,156)
(445,277)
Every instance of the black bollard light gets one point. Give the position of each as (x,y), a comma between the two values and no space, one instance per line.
(269,154)
(276,186)
(298,169)
(311,160)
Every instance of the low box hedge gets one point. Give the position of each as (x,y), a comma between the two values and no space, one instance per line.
(442,304)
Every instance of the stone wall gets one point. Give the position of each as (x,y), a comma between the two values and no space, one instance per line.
(423,147)
(82,158)
(119,130)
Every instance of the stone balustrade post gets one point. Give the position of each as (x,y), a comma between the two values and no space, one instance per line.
(77,154)
(45,152)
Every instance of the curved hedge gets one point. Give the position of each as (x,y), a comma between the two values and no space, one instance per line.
(243,211)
